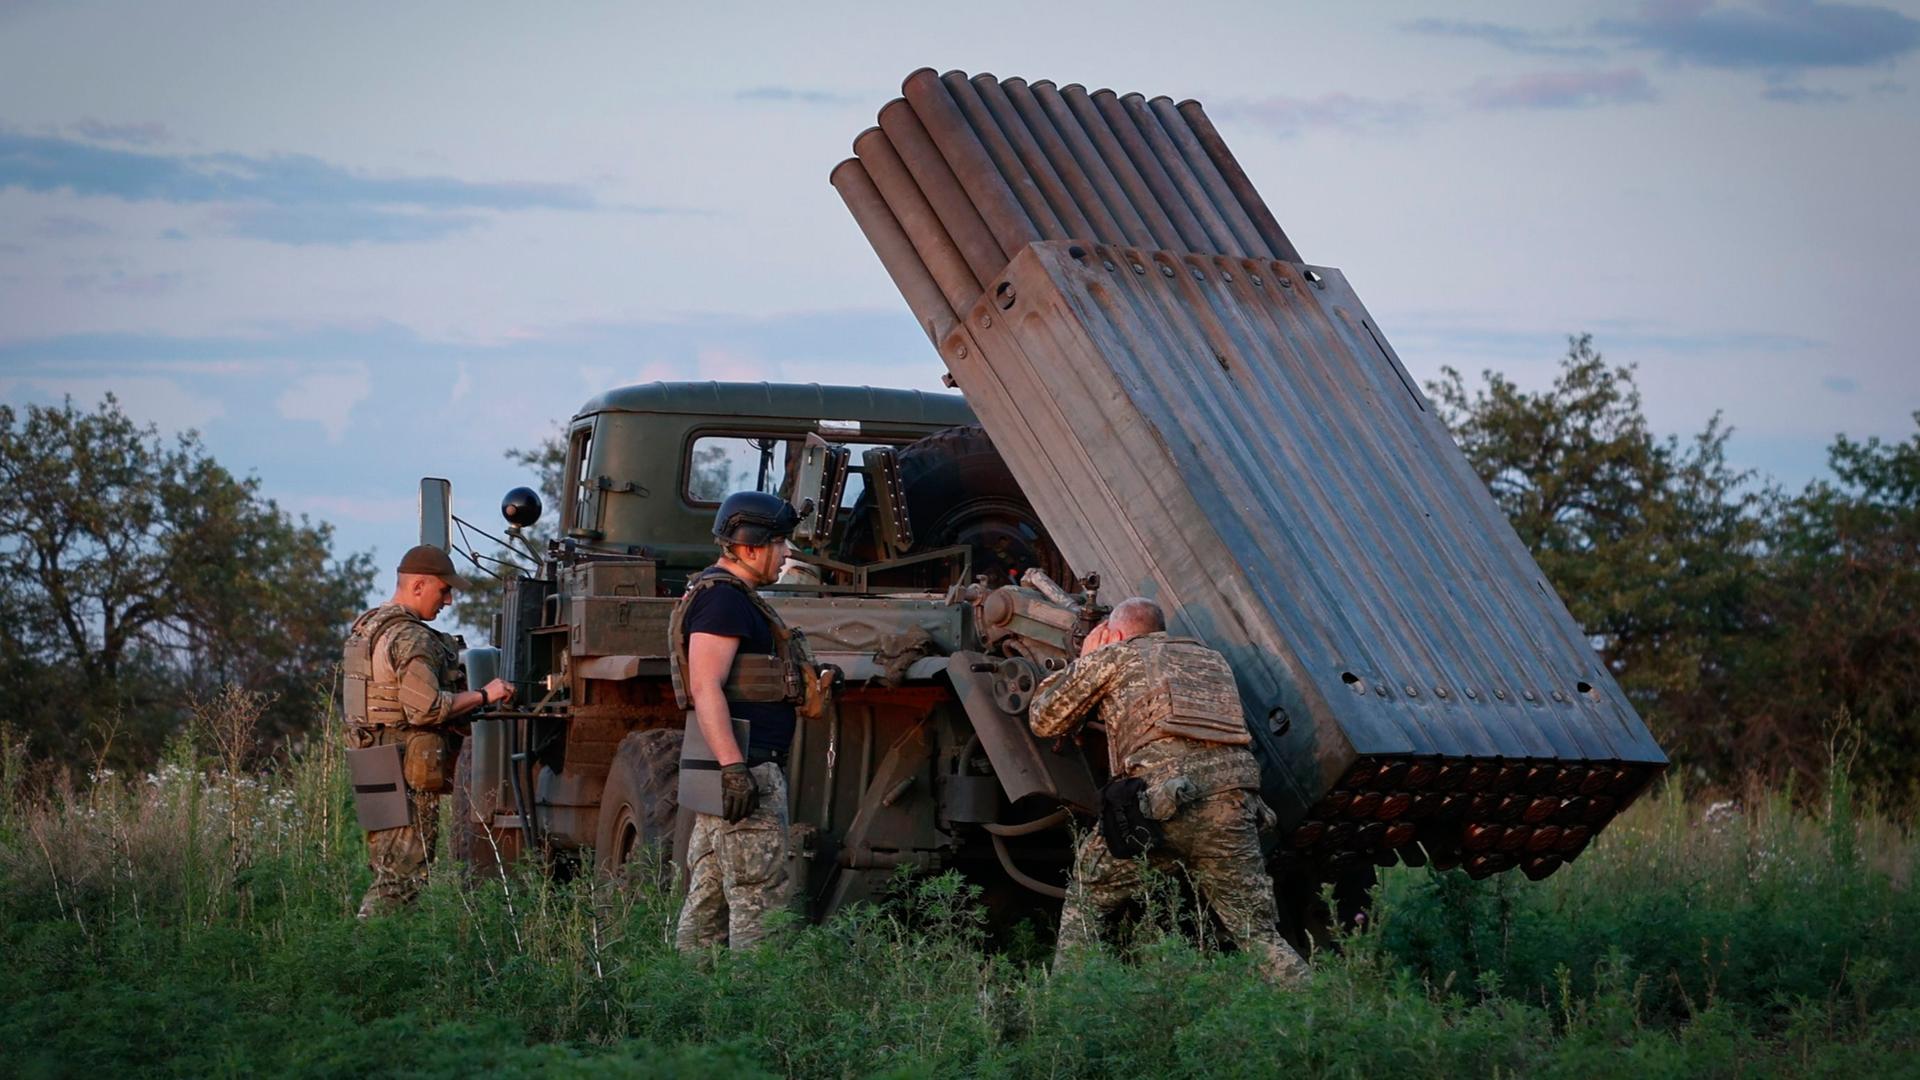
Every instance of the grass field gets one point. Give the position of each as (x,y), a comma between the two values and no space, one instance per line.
(199,921)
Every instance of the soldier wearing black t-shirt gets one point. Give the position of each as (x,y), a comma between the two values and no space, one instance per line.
(734,659)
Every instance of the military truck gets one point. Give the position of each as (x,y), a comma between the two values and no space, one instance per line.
(903,571)
(1159,395)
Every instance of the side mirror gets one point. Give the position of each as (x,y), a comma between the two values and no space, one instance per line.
(436,512)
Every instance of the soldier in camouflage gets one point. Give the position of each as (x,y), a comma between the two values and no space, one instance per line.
(1173,720)
(404,687)
(735,659)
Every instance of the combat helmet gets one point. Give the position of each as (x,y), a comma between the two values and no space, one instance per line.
(754,517)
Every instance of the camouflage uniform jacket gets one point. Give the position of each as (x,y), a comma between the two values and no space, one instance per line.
(1169,705)
(415,669)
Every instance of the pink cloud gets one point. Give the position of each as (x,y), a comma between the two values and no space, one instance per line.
(1563,90)
(1285,116)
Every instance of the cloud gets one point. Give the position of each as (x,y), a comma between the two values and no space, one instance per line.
(67,227)
(1285,117)
(327,398)
(15,9)
(121,283)
(48,163)
(1888,87)
(1563,90)
(1511,38)
(724,364)
(285,198)
(1840,384)
(342,226)
(794,95)
(148,399)
(1795,94)
(1450,333)
(146,133)
(172,234)
(1768,35)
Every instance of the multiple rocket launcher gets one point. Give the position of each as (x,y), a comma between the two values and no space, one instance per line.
(1201,417)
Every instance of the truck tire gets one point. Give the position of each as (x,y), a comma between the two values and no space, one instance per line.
(960,491)
(640,808)
(467,839)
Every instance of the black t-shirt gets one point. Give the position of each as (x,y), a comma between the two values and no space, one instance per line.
(726,611)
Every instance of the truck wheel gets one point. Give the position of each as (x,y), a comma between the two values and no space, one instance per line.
(467,839)
(960,491)
(640,807)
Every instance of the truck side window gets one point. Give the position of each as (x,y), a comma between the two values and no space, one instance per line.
(720,465)
(580,510)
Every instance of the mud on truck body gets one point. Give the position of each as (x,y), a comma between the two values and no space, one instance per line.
(1179,406)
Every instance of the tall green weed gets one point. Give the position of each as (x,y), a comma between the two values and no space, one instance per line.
(198,920)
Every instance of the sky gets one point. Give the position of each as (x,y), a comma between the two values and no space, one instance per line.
(355,244)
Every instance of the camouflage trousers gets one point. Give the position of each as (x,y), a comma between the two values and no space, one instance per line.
(398,857)
(1217,842)
(737,873)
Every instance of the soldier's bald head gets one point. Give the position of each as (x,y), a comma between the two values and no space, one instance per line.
(1137,615)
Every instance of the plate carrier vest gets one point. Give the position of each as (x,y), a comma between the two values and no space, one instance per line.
(368,704)
(780,676)
(1199,700)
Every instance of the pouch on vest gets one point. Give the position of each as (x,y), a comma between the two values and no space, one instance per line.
(1127,831)
(379,787)
(429,763)
(700,769)
(1159,802)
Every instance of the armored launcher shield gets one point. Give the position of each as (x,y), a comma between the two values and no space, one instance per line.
(1203,418)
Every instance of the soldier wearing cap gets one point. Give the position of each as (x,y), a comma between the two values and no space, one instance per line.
(404,687)
(1184,783)
(735,659)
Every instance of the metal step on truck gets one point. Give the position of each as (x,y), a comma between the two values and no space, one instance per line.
(1158,397)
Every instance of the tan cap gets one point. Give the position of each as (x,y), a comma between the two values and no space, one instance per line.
(431,561)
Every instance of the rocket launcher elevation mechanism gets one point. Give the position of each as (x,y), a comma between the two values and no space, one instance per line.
(1200,417)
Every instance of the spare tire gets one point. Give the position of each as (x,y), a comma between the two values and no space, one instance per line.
(958,491)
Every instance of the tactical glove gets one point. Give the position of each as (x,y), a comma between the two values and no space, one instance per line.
(737,792)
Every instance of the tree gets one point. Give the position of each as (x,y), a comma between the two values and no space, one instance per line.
(1651,543)
(138,572)
(549,464)
(1840,611)
(489,573)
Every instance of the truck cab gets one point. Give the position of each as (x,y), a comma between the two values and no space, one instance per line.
(648,465)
